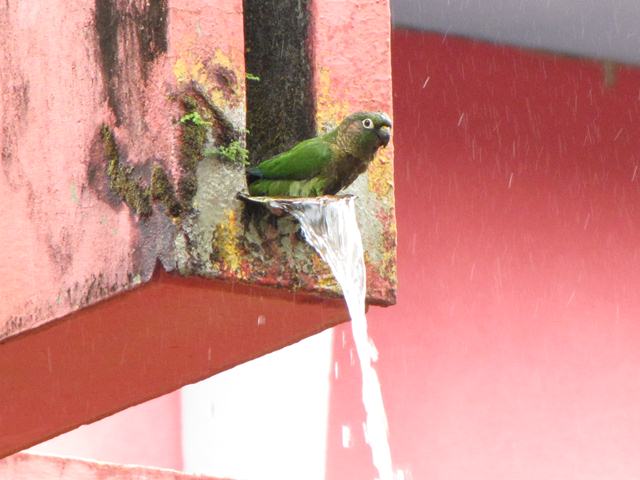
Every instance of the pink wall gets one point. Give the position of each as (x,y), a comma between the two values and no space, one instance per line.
(147,434)
(514,350)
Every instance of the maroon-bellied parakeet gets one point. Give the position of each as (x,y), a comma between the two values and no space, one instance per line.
(323,165)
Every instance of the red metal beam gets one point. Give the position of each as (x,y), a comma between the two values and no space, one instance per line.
(169,332)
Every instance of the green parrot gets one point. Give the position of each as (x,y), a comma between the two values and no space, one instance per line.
(323,165)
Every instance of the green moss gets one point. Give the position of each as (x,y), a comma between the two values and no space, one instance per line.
(195,118)
(195,127)
(189,103)
(122,179)
(194,136)
(234,152)
(162,190)
(131,190)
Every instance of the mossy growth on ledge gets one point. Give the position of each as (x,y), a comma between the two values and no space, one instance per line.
(130,187)
(234,152)
(200,128)
(162,190)
(122,179)
(193,138)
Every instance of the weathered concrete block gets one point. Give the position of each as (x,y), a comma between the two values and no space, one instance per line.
(122,135)
(122,147)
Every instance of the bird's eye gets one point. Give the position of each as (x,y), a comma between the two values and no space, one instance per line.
(367,123)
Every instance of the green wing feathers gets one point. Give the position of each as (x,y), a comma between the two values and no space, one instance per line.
(313,187)
(302,162)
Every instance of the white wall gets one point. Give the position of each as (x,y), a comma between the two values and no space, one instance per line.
(265,419)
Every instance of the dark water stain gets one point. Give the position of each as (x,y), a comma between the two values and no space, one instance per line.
(6,156)
(277,51)
(152,30)
(61,250)
(14,120)
(20,98)
(107,23)
(130,38)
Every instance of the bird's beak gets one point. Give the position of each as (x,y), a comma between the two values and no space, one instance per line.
(384,135)
(386,120)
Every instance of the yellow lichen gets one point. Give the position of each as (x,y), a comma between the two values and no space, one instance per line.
(181,71)
(220,58)
(329,110)
(189,67)
(380,174)
(322,273)
(226,247)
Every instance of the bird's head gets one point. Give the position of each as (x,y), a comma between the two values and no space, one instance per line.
(364,132)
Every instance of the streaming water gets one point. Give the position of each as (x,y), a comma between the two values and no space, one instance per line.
(329,225)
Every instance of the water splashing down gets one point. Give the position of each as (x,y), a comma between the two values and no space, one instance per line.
(329,225)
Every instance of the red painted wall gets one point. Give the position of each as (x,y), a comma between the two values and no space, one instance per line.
(514,350)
